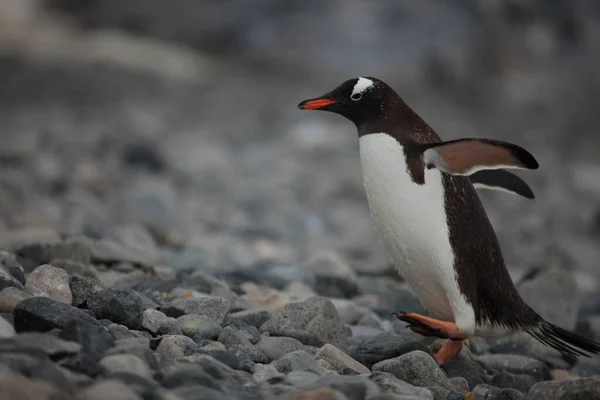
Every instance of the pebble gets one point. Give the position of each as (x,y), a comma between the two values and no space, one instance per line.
(265,372)
(300,378)
(522,383)
(42,314)
(208,284)
(6,329)
(155,321)
(53,346)
(298,360)
(470,370)
(254,316)
(250,332)
(492,393)
(334,277)
(585,388)
(83,288)
(199,327)
(354,387)
(275,347)
(313,322)
(236,342)
(389,383)
(94,339)
(16,386)
(51,282)
(385,346)
(176,346)
(215,308)
(264,297)
(353,314)
(339,360)
(187,375)
(417,368)
(319,394)
(121,306)
(10,297)
(514,363)
(126,363)
(107,389)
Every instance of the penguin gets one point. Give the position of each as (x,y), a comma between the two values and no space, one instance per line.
(422,197)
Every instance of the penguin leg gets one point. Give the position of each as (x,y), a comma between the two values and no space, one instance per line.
(427,326)
(448,351)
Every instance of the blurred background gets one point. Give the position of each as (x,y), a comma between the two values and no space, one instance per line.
(180,117)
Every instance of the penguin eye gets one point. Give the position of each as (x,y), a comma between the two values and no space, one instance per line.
(356,96)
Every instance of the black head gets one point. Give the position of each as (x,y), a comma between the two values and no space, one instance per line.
(361,100)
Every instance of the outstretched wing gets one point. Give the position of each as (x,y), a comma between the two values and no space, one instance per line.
(467,156)
(483,160)
(502,180)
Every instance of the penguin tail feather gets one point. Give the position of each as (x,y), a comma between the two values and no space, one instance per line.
(562,340)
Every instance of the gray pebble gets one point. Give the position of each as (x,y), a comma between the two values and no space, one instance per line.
(254,316)
(389,383)
(276,347)
(154,320)
(176,346)
(199,327)
(48,343)
(470,370)
(298,361)
(126,363)
(83,288)
(385,346)
(51,282)
(417,368)
(215,308)
(121,306)
(314,322)
(107,389)
(236,342)
(514,363)
(10,297)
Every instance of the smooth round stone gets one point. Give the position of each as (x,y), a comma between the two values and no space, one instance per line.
(10,297)
(51,282)
(199,327)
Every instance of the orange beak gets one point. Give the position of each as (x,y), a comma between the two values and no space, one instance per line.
(315,104)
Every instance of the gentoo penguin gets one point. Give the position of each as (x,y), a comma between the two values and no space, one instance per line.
(422,198)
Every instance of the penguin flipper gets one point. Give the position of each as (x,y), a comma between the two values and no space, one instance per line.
(502,180)
(467,156)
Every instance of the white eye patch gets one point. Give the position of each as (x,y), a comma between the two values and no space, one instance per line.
(361,86)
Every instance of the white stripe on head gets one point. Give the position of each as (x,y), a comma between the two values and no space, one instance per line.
(362,85)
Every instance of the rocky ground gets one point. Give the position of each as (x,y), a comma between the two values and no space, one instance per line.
(171,227)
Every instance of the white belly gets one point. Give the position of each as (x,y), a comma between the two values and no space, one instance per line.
(412,222)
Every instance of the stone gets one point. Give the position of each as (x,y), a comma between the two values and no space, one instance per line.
(354,387)
(190,259)
(107,389)
(250,332)
(51,282)
(471,371)
(199,327)
(83,288)
(205,283)
(264,297)
(298,361)
(254,316)
(119,331)
(385,346)
(236,342)
(353,314)
(155,321)
(334,277)
(176,346)
(586,367)
(301,379)
(227,358)
(313,322)
(217,369)
(265,372)
(522,383)
(121,306)
(215,308)
(53,346)
(42,314)
(126,363)
(390,384)
(585,388)
(318,394)
(10,297)
(417,368)
(339,360)
(197,392)
(16,386)
(514,363)
(144,388)
(184,375)
(275,347)
(6,329)
(94,339)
